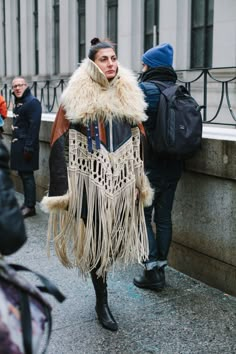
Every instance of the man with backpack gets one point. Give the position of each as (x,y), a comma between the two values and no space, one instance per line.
(164,172)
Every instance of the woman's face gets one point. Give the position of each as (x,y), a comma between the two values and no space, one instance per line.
(106,60)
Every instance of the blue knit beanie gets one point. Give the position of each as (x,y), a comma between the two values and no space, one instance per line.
(161,55)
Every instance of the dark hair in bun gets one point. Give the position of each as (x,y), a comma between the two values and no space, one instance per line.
(95,41)
(96,45)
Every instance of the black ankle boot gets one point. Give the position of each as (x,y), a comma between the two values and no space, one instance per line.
(153,279)
(104,314)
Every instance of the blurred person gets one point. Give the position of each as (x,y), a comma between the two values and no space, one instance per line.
(24,312)
(12,228)
(96,200)
(163,173)
(3,114)
(25,141)
(12,232)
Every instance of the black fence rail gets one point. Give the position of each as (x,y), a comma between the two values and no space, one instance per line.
(213,88)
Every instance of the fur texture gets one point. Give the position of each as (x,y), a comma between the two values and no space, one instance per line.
(51,203)
(90,95)
(146,192)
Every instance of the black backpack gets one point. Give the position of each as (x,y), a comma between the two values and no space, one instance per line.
(178,130)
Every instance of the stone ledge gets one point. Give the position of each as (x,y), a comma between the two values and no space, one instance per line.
(204,268)
(219,133)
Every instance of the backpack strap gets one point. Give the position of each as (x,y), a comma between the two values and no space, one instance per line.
(161,85)
(26,324)
(48,287)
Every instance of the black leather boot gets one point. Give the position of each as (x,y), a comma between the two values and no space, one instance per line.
(153,279)
(104,314)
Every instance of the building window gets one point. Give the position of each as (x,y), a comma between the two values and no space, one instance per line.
(112,20)
(4,37)
(19,36)
(81,29)
(202,33)
(151,24)
(36,46)
(56,46)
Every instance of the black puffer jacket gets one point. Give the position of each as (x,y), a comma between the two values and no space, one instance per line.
(12,229)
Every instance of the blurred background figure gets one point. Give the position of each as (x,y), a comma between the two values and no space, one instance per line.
(24,313)
(12,229)
(3,114)
(27,112)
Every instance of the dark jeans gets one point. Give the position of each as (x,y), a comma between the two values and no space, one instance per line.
(29,188)
(159,242)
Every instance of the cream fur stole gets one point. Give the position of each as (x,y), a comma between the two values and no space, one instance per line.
(89,95)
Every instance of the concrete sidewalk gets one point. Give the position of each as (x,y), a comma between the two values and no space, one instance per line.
(186,317)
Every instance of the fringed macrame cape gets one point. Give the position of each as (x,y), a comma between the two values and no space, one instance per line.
(102,181)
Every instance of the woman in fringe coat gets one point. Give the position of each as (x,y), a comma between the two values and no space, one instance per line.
(97,183)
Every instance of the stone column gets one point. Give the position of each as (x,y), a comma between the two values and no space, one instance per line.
(68,36)
(12,39)
(224,33)
(183,35)
(45,39)
(2,72)
(95,20)
(137,34)
(168,22)
(27,38)
(124,32)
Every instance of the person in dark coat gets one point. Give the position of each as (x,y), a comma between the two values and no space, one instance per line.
(163,174)
(25,141)
(12,228)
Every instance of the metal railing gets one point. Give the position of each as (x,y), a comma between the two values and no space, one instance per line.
(48,92)
(213,88)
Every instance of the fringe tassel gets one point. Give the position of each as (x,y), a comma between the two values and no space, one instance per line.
(115,228)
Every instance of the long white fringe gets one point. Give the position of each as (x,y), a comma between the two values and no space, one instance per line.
(115,227)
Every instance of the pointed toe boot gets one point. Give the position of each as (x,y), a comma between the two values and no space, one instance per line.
(104,314)
(105,317)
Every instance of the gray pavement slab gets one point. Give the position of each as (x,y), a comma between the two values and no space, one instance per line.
(186,317)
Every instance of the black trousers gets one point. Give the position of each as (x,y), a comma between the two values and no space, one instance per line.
(29,187)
